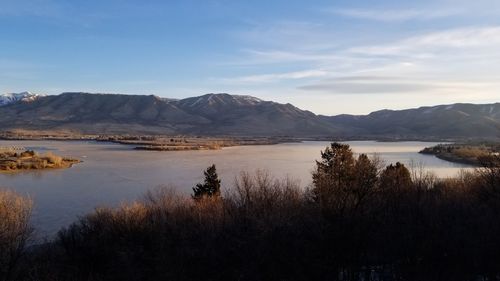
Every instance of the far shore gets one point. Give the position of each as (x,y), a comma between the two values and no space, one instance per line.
(204,140)
(168,143)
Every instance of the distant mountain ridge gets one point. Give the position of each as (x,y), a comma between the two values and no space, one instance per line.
(225,114)
(452,121)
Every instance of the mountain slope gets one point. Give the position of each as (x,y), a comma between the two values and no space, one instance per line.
(224,114)
(456,120)
(244,115)
(212,114)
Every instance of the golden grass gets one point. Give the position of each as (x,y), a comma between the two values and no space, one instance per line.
(30,160)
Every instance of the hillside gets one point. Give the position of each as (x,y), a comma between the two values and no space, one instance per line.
(451,121)
(212,114)
(224,114)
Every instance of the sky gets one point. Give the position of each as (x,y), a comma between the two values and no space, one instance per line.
(329,57)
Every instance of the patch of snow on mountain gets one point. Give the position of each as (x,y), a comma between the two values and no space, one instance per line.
(6,99)
(249,99)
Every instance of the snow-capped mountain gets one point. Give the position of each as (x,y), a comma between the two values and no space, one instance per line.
(6,99)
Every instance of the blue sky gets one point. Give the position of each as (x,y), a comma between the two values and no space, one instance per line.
(329,57)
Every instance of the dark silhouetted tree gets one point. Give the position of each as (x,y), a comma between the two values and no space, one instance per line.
(395,177)
(365,178)
(489,180)
(334,176)
(211,185)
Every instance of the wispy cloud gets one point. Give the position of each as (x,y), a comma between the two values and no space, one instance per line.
(262,57)
(377,85)
(300,35)
(276,77)
(388,15)
(368,88)
(433,43)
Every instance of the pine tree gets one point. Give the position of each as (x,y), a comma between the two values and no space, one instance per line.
(334,176)
(211,185)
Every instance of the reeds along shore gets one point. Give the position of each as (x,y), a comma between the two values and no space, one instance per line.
(358,221)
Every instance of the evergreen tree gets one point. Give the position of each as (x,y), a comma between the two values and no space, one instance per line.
(211,185)
(334,176)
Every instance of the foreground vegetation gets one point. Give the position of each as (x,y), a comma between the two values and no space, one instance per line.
(358,221)
(11,160)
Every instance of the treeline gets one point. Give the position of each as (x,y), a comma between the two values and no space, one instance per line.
(358,221)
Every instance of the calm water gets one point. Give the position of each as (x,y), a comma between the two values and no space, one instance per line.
(113,173)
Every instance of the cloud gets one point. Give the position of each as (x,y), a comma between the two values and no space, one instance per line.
(388,15)
(471,45)
(433,43)
(313,35)
(394,85)
(277,56)
(363,78)
(275,77)
(345,87)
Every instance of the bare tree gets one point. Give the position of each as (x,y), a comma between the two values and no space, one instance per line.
(15,232)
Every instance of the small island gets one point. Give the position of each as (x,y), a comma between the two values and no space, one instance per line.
(184,143)
(12,160)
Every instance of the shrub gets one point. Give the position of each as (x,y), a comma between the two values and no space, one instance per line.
(15,232)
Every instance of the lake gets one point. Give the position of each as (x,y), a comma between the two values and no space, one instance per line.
(113,173)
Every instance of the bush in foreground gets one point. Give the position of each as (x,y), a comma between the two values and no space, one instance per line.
(15,232)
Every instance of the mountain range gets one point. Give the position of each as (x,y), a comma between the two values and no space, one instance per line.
(234,115)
